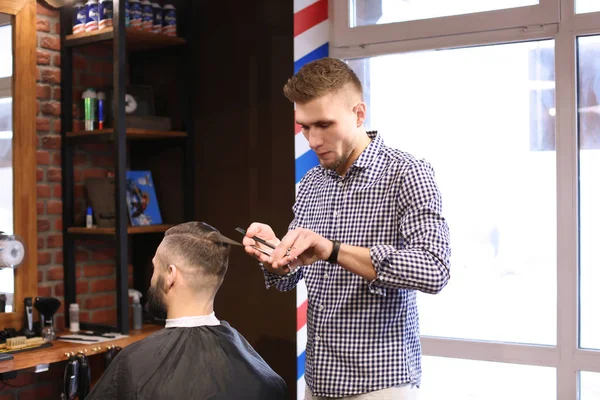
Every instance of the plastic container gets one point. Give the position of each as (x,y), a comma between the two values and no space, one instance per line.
(169,20)
(89,218)
(92,15)
(136,308)
(74,317)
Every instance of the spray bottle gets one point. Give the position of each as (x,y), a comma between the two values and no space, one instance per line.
(137,308)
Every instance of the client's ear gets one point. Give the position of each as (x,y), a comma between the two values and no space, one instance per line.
(172,275)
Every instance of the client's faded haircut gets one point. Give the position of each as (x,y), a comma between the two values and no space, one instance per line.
(200,246)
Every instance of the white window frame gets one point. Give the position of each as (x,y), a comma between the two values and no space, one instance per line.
(349,43)
(344,35)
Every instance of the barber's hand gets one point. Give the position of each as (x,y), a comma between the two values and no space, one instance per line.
(300,247)
(264,232)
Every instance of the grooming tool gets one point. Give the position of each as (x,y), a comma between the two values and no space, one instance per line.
(21,342)
(28,328)
(47,306)
(6,357)
(256,238)
(96,334)
(76,338)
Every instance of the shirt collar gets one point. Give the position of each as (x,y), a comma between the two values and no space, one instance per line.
(190,322)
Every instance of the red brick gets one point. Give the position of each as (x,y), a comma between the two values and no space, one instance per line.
(54,174)
(42,57)
(44,291)
(79,190)
(57,28)
(103,161)
(58,257)
(50,42)
(56,97)
(56,60)
(43,225)
(99,270)
(82,288)
(54,207)
(43,92)
(51,142)
(42,124)
(40,276)
(98,51)
(42,25)
(102,68)
(103,285)
(100,301)
(108,253)
(57,192)
(80,159)
(59,322)
(79,64)
(39,206)
(51,108)
(42,157)
(56,159)
(55,274)
(88,80)
(37,107)
(39,174)
(50,76)
(82,256)
(43,190)
(41,243)
(58,224)
(94,173)
(55,241)
(41,10)
(104,316)
(44,258)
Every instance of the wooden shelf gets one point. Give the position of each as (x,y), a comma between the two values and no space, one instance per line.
(136,39)
(56,353)
(132,230)
(131,133)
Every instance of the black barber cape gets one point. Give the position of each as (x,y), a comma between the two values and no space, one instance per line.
(201,362)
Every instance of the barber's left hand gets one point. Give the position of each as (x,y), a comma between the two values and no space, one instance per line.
(305,247)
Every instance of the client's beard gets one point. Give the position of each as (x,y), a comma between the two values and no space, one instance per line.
(155,303)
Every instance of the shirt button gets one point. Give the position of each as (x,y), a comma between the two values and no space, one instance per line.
(340,183)
(335,213)
(321,307)
(326,276)
(317,338)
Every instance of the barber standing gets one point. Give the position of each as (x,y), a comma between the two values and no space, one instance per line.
(367,233)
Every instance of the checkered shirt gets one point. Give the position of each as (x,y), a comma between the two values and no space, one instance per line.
(364,336)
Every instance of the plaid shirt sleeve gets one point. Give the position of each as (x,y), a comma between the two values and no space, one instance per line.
(424,261)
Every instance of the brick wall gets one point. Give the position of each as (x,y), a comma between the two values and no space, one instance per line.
(94,259)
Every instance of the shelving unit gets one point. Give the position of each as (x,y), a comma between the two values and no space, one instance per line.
(124,42)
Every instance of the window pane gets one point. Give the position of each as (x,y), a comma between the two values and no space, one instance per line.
(484,118)
(586,6)
(589,386)
(455,379)
(589,195)
(376,12)
(5,50)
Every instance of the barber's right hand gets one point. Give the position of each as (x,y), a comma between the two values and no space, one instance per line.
(266,233)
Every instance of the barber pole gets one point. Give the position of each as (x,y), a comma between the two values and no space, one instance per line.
(311,42)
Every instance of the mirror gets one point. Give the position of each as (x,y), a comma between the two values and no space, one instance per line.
(7,278)
(17,151)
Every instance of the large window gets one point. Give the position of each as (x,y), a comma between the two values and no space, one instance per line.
(589,164)
(503,99)
(485,121)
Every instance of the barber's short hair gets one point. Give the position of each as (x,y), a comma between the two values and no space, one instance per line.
(199,245)
(320,77)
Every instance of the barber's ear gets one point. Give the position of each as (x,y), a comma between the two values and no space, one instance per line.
(361,113)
